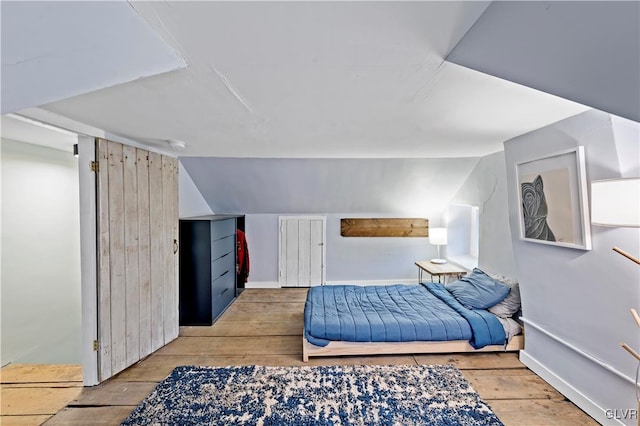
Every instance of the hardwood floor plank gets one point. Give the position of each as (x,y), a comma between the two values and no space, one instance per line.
(360,360)
(114,393)
(261,309)
(29,373)
(96,416)
(245,328)
(35,401)
(234,346)
(540,412)
(473,361)
(23,420)
(293,317)
(510,384)
(42,385)
(155,368)
(276,295)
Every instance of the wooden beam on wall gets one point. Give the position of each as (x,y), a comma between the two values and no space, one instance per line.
(383,227)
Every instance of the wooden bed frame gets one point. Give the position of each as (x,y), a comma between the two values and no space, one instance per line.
(337,348)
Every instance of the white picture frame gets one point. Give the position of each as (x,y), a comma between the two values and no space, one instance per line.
(552,200)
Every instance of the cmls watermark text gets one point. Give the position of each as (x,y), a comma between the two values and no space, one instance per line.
(622,414)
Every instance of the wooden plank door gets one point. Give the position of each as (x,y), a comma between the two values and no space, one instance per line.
(137,264)
(302,251)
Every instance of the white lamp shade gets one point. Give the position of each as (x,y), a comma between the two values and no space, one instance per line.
(616,202)
(438,236)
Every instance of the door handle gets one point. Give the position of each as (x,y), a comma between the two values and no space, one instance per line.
(175,246)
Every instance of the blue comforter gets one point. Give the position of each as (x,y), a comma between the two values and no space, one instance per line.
(395,313)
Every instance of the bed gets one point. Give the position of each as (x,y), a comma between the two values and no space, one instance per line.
(403,319)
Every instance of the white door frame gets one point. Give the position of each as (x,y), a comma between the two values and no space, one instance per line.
(281,219)
(88,259)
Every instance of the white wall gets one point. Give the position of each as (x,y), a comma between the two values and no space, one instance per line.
(41,320)
(576,303)
(458,229)
(375,258)
(261,231)
(191,203)
(463,234)
(627,137)
(486,188)
(348,258)
(264,188)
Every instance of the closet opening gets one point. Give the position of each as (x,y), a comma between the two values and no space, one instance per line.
(41,285)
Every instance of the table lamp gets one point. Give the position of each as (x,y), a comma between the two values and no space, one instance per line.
(438,237)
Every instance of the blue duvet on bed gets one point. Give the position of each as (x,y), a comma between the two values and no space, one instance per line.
(395,313)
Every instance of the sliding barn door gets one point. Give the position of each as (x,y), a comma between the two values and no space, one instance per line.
(137,196)
(302,251)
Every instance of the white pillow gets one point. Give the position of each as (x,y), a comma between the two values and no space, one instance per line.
(504,279)
(511,304)
(511,327)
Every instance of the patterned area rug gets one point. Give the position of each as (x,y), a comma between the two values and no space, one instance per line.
(342,395)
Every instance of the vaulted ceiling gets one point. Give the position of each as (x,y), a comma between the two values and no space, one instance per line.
(313,79)
(320,80)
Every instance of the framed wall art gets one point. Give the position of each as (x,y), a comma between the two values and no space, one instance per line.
(552,197)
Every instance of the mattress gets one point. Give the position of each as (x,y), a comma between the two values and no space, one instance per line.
(395,313)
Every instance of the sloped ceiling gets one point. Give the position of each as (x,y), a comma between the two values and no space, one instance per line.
(586,51)
(53,50)
(318,79)
(420,187)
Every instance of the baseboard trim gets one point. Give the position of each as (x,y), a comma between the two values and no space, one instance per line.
(262,284)
(373,282)
(574,395)
(577,350)
(275,284)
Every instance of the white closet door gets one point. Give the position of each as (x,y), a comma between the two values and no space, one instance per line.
(302,251)
(316,270)
(137,264)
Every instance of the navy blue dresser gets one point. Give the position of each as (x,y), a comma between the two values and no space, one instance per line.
(207,268)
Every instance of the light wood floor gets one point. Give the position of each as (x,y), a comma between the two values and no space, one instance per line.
(261,327)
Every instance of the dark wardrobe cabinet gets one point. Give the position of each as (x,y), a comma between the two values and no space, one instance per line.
(207,268)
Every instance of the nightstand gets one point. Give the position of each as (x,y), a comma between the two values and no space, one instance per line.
(442,271)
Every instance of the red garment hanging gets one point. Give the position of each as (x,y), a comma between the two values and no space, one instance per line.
(242,257)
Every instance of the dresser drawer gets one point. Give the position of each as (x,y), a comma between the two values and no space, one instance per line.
(222,292)
(224,280)
(222,246)
(222,228)
(223,264)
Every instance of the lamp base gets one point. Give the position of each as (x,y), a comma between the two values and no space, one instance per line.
(438,261)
